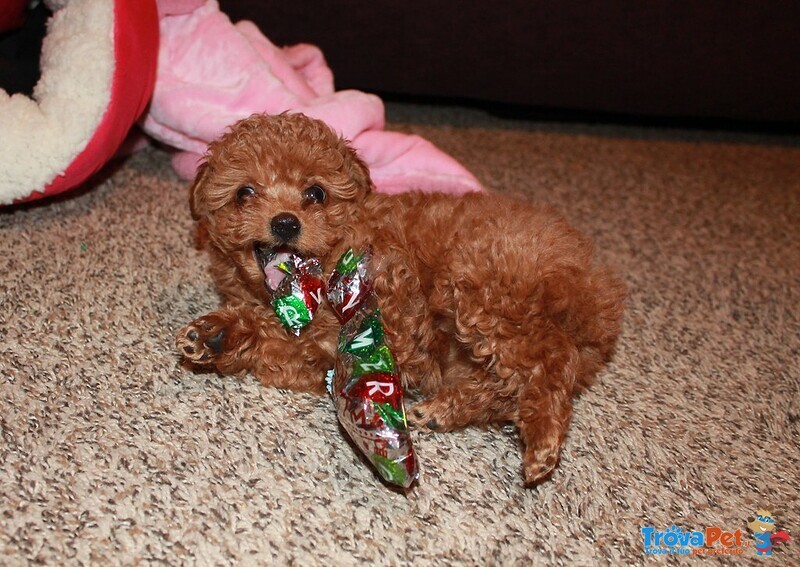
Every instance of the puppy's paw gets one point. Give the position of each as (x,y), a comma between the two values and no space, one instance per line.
(428,416)
(202,340)
(539,463)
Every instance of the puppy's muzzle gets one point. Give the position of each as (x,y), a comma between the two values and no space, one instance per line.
(285,226)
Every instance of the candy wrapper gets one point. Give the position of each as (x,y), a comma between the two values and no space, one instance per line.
(350,287)
(300,293)
(365,385)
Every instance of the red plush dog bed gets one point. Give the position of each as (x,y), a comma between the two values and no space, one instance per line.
(98,65)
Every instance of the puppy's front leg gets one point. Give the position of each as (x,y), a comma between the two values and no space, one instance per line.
(202,342)
(233,340)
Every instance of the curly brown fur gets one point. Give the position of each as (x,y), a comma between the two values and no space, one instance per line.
(492,306)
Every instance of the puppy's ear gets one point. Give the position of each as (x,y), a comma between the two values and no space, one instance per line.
(359,172)
(197,201)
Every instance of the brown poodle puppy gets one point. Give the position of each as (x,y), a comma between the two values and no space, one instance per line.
(491,305)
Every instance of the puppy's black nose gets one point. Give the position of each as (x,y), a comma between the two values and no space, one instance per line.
(285,226)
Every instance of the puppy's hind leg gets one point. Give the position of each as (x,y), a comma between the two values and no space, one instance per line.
(545,405)
(469,397)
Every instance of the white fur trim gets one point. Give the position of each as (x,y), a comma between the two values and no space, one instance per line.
(40,137)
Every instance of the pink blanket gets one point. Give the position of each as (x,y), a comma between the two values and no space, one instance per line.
(212,73)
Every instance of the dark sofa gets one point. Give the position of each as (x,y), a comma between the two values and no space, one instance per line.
(712,59)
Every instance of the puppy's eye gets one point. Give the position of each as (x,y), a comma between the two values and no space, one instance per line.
(244,194)
(314,194)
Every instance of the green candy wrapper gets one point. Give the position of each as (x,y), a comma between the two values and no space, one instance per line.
(300,293)
(365,384)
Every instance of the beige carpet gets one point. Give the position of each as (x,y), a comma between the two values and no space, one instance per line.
(110,453)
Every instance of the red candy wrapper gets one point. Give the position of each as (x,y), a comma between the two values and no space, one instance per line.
(300,292)
(350,287)
(365,385)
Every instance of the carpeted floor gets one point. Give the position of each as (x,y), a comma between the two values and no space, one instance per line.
(111,453)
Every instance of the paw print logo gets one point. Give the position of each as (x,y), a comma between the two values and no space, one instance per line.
(763,529)
(672,536)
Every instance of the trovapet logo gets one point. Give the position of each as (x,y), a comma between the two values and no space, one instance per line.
(709,541)
(714,540)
